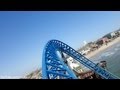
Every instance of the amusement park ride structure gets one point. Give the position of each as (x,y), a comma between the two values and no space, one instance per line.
(54,67)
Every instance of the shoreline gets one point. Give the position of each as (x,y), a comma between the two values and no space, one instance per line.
(102,48)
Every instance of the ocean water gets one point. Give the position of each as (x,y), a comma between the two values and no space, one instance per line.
(112,56)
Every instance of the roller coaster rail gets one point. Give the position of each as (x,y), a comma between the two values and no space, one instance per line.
(53,67)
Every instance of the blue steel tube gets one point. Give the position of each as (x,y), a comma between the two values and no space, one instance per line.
(44,73)
(67,68)
(52,46)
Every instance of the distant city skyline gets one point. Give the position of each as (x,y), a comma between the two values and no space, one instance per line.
(23,35)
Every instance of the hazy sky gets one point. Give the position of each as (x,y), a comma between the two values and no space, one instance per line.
(23,35)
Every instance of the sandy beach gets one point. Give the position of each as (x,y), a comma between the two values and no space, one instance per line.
(103,47)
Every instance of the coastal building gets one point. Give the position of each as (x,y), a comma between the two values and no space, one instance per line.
(113,34)
(85,49)
(102,41)
(117,32)
(93,46)
(84,42)
(110,35)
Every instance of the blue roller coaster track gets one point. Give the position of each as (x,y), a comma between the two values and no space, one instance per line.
(53,67)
